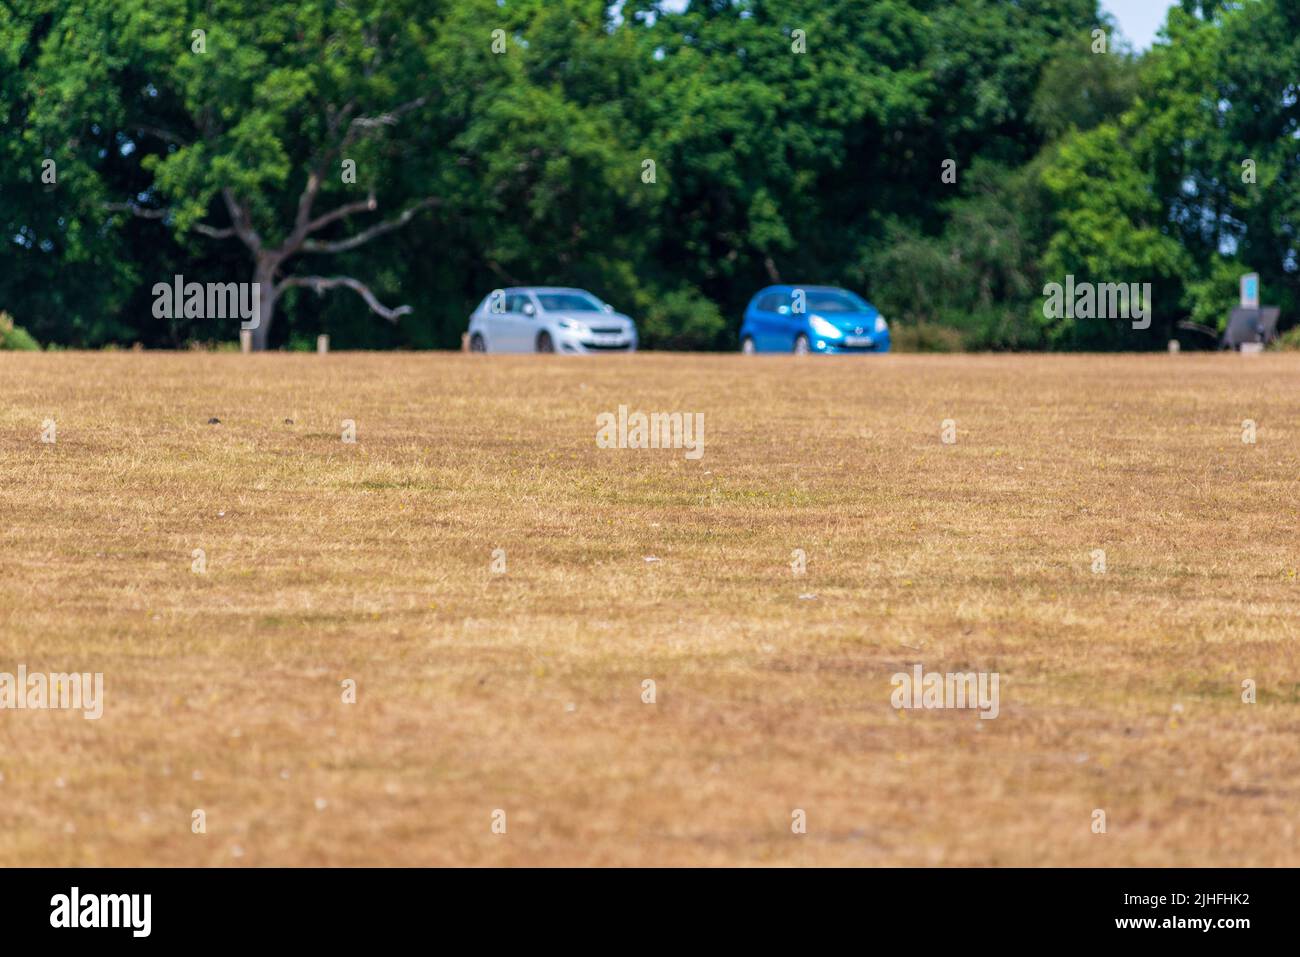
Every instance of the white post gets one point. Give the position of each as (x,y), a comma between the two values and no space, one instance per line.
(322,345)
(245,340)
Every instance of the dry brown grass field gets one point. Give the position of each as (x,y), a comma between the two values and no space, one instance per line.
(475,691)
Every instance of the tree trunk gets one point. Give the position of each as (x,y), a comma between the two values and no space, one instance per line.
(264,275)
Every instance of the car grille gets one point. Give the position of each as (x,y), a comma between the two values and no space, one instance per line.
(621,347)
(615,331)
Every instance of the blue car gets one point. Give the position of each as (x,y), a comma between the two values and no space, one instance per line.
(806,319)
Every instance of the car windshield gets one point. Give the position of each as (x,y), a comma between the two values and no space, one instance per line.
(834,301)
(568,302)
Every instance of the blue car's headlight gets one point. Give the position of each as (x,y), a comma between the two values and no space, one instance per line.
(881,325)
(823,328)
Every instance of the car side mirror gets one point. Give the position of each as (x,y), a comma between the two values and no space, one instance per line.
(783,310)
(607,307)
(529,309)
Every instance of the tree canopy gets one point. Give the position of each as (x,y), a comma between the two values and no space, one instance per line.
(380,165)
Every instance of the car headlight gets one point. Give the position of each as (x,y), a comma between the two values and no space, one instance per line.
(881,325)
(823,328)
(578,327)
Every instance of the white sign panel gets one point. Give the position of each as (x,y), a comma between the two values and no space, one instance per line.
(1250,290)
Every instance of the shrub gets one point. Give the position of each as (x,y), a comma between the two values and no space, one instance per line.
(681,319)
(1289,341)
(926,337)
(15,338)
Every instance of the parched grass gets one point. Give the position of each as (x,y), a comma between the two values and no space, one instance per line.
(523,692)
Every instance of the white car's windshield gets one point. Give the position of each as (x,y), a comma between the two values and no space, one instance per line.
(568,302)
(837,301)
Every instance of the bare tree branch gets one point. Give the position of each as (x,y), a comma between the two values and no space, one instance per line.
(1198,327)
(141,212)
(305,203)
(352,242)
(360,206)
(303,227)
(227,232)
(158,133)
(333,120)
(356,128)
(240,222)
(497,268)
(390,118)
(321,283)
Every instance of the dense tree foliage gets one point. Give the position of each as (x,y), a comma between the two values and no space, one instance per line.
(670,159)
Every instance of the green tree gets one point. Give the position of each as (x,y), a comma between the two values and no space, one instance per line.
(1197,182)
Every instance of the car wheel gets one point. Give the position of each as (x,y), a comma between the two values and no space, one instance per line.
(801,345)
(544,343)
(747,345)
(476,343)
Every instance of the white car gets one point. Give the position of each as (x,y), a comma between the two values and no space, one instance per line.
(548,319)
